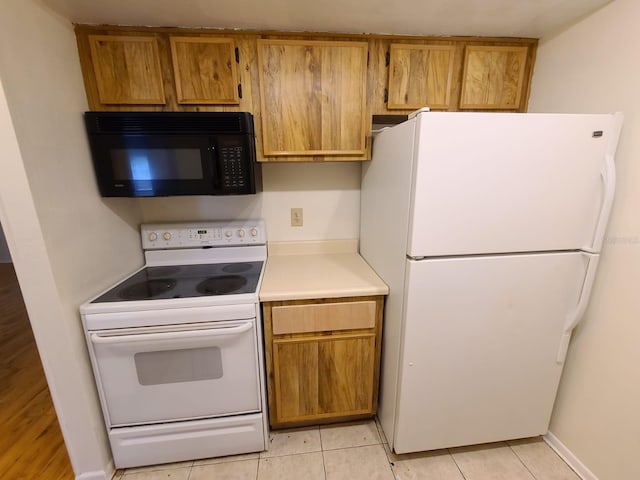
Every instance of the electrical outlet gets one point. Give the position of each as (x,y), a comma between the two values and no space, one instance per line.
(296,217)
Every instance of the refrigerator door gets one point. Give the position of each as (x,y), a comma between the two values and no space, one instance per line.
(505,182)
(479,359)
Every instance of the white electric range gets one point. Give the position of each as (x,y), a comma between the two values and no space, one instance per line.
(176,347)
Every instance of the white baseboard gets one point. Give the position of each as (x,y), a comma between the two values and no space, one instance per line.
(570,459)
(106,474)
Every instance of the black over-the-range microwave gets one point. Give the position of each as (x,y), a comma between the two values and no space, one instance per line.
(150,154)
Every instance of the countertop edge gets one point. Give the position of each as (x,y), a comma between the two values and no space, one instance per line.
(319,294)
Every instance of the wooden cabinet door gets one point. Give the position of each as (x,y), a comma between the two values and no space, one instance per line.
(493,77)
(313,97)
(127,69)
(323,376)
(420,76)
(205,70)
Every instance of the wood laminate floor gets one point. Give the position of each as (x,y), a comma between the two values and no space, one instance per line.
(31,444)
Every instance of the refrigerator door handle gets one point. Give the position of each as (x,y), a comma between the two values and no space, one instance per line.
(578,313)
(608,176)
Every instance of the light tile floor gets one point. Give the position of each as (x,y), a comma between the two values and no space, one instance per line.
(358,451)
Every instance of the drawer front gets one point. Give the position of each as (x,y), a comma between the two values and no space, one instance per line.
(323,317)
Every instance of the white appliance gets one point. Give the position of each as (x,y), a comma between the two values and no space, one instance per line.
(487,227)
(176,347)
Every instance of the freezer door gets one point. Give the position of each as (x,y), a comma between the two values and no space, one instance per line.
(479,356)
(501,182)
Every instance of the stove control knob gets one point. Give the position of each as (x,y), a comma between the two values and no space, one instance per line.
(153,236)
(166,235)
(228,234)
(241,233)
(254,232)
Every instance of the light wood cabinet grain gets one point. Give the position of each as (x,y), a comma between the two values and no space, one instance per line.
(493,77)
(329,316)
(326,368)
(313,97)
(420,76)
(323,377)
(127,69)
(205,70)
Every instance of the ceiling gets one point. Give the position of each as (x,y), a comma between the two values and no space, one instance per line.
(510,18)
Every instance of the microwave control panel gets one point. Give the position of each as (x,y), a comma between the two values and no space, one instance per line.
(233,168)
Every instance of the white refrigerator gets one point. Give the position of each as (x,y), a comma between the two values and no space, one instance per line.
(487,227)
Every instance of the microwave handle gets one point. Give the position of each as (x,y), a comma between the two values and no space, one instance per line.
(215,167)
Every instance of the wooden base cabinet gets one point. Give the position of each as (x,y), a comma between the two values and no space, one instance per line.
(323,359)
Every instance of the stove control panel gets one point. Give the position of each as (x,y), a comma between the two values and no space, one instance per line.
(203,234)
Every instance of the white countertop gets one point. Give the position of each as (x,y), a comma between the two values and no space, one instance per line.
(308,270)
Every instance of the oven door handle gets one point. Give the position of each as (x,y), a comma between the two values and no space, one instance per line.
(168,336)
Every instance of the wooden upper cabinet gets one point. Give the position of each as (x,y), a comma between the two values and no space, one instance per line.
(313,97)
(127,69)
(493,77)
(205,70)
(420,76)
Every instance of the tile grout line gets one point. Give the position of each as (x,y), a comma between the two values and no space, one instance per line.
(225,461)
(386,453)
(324,466)
(352,446)
(385,441)
(521,461)
(456,463)
(258,469)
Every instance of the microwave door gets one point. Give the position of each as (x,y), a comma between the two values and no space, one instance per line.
(153,165)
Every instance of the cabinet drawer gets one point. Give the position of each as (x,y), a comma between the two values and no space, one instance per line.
(323,317)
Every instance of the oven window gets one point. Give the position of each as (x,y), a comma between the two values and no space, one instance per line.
(175,366)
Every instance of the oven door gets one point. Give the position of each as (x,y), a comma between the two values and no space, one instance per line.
(159,374)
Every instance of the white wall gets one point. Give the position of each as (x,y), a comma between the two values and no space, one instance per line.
(593,67)
(67,243)
(328,193)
